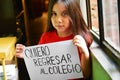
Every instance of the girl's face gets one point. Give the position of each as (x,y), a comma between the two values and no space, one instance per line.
(60,20)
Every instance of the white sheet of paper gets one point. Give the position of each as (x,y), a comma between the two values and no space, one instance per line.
(53,61)
(11,72)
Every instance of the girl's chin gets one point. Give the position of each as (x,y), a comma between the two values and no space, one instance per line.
(60,31)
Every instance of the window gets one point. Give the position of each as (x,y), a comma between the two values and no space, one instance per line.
(111,24)
(104,20)
(94,16)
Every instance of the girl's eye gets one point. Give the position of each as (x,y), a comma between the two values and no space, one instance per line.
(53,14)
(64,14)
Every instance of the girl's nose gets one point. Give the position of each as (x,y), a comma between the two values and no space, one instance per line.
(59,19)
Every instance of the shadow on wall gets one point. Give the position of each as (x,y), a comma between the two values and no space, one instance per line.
(7,21)
(35,20)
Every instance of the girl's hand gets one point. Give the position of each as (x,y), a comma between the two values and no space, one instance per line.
(79,41)
(19,50)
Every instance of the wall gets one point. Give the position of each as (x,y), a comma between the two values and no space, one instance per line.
(7,18)
(35,25)
(98,72)
(103,68)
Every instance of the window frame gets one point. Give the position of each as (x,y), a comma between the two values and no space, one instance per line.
(110,51)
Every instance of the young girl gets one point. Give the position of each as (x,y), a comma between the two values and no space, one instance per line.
(65,22)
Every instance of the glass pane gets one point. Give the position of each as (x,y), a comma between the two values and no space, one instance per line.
(94,15)
(111,24)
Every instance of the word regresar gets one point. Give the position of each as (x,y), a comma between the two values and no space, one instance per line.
(56,64)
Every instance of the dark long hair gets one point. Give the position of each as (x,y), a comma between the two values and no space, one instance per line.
(77,22)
